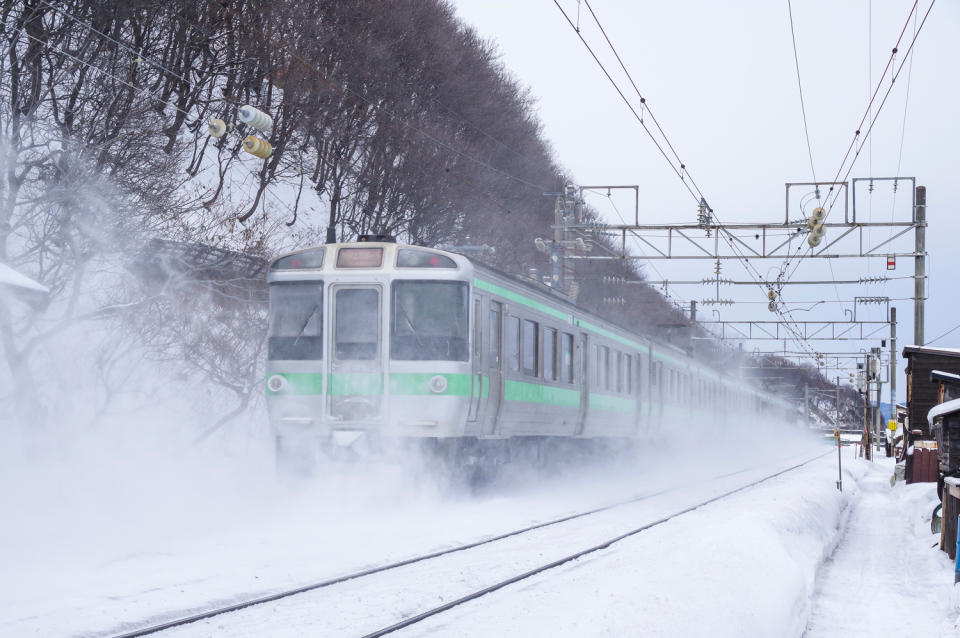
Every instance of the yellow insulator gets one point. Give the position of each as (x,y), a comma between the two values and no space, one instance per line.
(258,147)
(255,118)
(772,294)
(217,128)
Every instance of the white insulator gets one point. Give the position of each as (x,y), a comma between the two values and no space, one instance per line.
(819,214)
(772,306)
(217,128)
(255,118)
(258,147)
(814,240)
(819,230)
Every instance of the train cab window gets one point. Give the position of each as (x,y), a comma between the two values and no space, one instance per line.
(357,327)
(549,351)
(566,356)
(296,320)
(513,343)
(529,348)
(493,345)
(429,321)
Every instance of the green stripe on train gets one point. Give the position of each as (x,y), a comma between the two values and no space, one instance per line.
(586,325)
(356,384)
(513,296)
(536,393)
(417,383)
(301,382)
(611,403)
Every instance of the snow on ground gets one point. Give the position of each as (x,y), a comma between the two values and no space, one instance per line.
(887,576)
(747,566)
(104,539)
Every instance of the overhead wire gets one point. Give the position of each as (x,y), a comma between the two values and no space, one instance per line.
(857,136)
(803,108)
(681,171)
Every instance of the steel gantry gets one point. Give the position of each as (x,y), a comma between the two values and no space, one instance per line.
(806,330)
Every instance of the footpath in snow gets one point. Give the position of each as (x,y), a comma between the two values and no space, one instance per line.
(887,576)
(789,557)
(792,557)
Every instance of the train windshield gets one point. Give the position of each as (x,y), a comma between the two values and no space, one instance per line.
(429,321)
(296,320)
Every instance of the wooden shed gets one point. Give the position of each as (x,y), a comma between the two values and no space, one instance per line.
(922,393)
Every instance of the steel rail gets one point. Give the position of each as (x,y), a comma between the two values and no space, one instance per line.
(210,613)
(606,544)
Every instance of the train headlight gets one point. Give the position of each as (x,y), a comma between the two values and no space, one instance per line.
(438,384)
(276,383)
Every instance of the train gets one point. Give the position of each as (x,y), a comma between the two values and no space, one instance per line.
(374,342)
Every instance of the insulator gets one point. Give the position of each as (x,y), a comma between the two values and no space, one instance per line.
(772,306)
(255,118)
(819,214)
(257,147)
(217,128)
(814,240)
(772,294)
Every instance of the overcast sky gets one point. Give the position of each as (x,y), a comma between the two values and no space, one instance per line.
(721,81)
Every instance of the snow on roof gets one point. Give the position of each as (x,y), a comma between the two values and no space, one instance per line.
(943,408)
(10,277)
(908,350)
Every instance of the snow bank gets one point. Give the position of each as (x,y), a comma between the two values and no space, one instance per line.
(744,566)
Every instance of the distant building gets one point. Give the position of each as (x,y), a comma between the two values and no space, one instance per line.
(922,392)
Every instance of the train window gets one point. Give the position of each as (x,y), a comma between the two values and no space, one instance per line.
(493,351)
(618,373)
(409,258)
(566,352)
(549,352)
(357,324)
(529,349)
(603,367)
(477,330)
(429,321)
(513,343)
(296,320)
(628,373)
(312,258)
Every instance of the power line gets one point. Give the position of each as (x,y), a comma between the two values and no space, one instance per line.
(866,135)
(803,109)
(943,335)
(701,201)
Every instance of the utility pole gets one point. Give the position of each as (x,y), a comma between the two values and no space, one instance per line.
(919,265)
(867,443)
(837,402)
(893,375)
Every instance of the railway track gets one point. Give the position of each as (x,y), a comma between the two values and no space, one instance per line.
(362,575)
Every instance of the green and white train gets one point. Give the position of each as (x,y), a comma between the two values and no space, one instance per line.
(373,342)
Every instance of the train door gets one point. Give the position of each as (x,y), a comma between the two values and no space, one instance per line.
(476,362)
(355,388)
(494,368)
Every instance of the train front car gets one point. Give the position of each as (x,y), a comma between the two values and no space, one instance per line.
(368,344)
